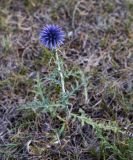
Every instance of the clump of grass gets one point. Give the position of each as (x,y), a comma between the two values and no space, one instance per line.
(3,24)
(109,6)
(129,5)
(6,44)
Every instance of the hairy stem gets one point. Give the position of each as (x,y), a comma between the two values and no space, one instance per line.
(60,72)
(85,87)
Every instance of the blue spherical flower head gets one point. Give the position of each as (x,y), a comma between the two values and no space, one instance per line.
(52,36)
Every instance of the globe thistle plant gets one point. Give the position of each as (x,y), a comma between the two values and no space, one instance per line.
(52,37)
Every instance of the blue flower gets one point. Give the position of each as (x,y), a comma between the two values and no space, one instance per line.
(52,36)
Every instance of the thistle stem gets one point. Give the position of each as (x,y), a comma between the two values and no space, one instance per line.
(60,72)
(85,87)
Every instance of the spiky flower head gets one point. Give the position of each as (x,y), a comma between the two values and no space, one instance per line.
(52,36)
